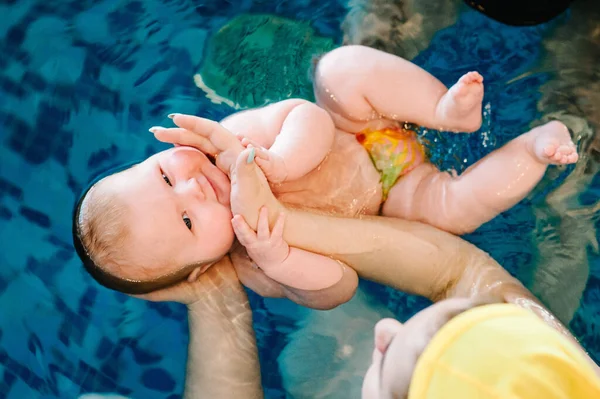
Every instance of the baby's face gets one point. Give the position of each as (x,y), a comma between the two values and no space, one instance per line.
(178,211)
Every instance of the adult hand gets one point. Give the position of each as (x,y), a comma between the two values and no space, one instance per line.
(219,281)
(208,136)
(250,191)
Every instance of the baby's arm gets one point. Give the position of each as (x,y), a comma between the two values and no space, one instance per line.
(324,299)
(306,278)
(292,267)
(293,137)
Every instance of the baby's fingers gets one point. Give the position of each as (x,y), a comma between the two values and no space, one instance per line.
(245,235)
(264,165)
(263,231)
(246,142)
(261,153)
(279,225)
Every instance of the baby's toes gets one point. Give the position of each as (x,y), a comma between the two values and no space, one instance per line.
(569,154)
(560,157)
(262,154)
(572,158)
(471,77)
(564,154)
(551,151)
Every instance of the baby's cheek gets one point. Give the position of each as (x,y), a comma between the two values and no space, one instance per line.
(219,231)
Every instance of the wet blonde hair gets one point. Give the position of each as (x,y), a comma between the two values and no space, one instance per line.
(104,230)
(100,234)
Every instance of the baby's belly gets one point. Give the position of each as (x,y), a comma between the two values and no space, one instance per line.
(345,184)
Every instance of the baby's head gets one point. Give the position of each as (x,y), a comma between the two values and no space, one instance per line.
(154,224)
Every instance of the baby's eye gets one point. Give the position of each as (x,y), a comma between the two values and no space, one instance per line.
(187,221)
(166,179)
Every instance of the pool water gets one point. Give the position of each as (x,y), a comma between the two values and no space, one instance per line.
(81,82)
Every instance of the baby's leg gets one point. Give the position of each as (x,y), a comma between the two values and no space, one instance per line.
(359,84)
(494,184)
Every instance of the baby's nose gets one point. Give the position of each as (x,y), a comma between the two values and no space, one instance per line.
(191,189)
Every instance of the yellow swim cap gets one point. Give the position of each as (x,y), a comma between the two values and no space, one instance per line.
(502,351)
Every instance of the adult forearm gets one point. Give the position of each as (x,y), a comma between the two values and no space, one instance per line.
(222,355)
(414,258)
(408,256)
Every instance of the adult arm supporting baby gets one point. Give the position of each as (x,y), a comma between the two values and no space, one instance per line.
(409,256)
(222,353)
(415,258)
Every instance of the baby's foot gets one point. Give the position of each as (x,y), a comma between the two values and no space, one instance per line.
(460,108)
(553,145)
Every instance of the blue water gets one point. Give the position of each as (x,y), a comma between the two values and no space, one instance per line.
(81,82)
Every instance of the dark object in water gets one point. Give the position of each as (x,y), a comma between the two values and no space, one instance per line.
(520,12)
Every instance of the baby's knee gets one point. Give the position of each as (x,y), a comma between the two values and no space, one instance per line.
(336,66)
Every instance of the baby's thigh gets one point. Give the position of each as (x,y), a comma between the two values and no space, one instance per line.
(410,198)
(351,66)
(340,80)
(437,198)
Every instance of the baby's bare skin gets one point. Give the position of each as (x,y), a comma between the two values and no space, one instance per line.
(358,88)
(364,89)
(326,188)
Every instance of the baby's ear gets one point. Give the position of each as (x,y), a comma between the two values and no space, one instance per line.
(197,272)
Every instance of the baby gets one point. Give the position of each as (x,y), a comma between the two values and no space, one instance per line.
(169,217)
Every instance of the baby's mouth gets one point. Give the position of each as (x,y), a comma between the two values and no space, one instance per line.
(218,181)
(212,185)
(217,190)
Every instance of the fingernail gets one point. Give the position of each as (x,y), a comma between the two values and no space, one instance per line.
(172,115)
(251,156)
(154,129)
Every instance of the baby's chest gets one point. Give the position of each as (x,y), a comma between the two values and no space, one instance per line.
(346,183)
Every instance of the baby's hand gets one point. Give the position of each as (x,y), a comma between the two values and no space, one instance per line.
(272,165)
(266,248)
